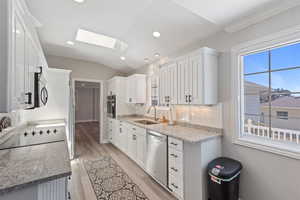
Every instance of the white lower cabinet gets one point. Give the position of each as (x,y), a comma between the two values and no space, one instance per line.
(56,189)
(110,130)
(175,163)
(187,162)
(141,146)
(187,167)
(132,145)
(132,141)
(122,145)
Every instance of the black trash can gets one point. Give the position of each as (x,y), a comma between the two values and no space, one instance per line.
(223,179)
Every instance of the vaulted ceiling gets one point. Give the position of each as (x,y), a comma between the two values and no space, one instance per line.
(180,22)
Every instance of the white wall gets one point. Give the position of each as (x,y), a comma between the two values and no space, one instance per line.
(82,69)
(3,55)
(58,101)
(265,176)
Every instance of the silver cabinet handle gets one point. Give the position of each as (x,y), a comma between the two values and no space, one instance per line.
(175,186)
(174,169)
(174,155)
(175,144)
(190,98)
(186,98)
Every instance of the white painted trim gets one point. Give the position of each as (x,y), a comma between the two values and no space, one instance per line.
(269,146)
(59,70)
(284,37)
(257,17)
(83,121)
(101,123)
(270,41)
(286,108)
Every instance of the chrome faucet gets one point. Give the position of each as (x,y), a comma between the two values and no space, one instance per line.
(154,107)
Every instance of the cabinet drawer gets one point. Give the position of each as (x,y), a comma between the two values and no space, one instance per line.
(176,185)
(175,144)
(175,162)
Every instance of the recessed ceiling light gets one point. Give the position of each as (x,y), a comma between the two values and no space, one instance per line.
(122,58)
(79,1)
(146,60)
(156,34)
(157,55)
(70,43)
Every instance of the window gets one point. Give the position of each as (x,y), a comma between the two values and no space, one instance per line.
(270,89)
(282,115)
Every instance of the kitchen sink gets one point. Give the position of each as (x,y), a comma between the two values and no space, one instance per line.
(146,122)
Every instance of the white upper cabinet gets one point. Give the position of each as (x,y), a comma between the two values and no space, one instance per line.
(184,80)
(204,66)
(19,68)
(192,79)
(21,56)
(168,84)
(136,89)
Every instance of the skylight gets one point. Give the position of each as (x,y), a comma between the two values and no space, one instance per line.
(95,39)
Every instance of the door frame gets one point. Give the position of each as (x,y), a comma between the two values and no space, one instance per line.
(101,107)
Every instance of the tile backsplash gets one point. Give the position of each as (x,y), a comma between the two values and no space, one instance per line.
(201,115)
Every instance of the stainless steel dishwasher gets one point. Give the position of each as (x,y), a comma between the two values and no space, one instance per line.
(156,162)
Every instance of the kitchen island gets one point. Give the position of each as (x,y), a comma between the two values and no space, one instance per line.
(35,171)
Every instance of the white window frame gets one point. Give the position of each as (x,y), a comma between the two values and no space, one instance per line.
(281,38)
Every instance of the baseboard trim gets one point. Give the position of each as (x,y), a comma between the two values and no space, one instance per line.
(82,121)
(105,142)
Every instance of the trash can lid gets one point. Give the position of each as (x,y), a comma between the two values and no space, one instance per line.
(224,168)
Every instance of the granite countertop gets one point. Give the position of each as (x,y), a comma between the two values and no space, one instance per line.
(29,165)
(183,131)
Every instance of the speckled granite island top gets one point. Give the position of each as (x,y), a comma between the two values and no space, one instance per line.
(20,167)
(185,132)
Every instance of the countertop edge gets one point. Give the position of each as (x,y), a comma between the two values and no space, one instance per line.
(184,139)
(34,182)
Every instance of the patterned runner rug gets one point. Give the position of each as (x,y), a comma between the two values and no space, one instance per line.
(110,182)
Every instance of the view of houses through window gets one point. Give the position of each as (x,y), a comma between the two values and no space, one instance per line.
(272,94)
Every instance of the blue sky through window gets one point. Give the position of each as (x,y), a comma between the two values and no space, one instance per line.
(281,58)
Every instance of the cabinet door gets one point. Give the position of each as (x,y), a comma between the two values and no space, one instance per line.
(132,145)
(114,133)
(167,78)
(141,147)
(163,85)
(140,89)
(184,80)
(32,62)
(173,81)
(19,98)
(129,90)
(197,92)
(123,137)
(109,130)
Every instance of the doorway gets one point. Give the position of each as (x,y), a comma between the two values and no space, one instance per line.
(88,109)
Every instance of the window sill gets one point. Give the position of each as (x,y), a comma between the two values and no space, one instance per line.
(287,150)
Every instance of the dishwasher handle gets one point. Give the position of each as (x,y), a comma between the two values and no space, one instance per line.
(157,135)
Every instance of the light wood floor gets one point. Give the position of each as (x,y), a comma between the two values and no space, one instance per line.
(87,148)
(93,129)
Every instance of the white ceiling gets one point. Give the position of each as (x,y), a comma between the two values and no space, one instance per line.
(180,22)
